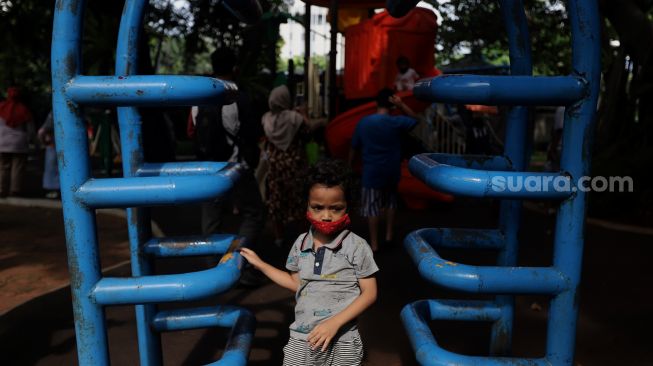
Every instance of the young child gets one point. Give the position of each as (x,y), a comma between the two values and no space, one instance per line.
(332,273)
(406,76)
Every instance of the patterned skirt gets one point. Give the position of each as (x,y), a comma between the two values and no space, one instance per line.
(285,187)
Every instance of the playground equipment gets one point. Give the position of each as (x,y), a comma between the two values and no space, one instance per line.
(142,185)
(481,176)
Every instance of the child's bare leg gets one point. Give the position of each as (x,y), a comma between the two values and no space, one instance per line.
(373,222)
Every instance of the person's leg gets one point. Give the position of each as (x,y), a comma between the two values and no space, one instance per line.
(5,172)
(370,208)
(17,171)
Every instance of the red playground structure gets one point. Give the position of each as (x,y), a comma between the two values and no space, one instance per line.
(371,51)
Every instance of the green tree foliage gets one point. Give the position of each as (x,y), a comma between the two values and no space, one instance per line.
(474,29)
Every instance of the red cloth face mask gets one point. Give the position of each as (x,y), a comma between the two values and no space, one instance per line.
(329,227)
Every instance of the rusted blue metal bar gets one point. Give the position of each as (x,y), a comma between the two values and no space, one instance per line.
(185,168)
(489,183)
(502,90)
(463,238)
(239,320)
(142,184)
(150,90)
(477,177)
(168,288)
(189,246)
(151,191)
(480,279)
(428,351)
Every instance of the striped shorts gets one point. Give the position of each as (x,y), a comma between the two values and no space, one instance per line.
(342,353)
(374,200)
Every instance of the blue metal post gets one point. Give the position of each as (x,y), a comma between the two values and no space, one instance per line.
(515,142)
(73,161)
(479,176)
(142,185)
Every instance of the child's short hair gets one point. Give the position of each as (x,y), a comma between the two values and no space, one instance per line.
(330,173)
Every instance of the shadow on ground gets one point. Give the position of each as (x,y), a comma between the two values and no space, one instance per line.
(613,328)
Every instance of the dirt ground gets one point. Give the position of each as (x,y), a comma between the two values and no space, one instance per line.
(33,251)
(613,326)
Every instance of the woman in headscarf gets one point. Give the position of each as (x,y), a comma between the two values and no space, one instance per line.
(16,130)
(287,132)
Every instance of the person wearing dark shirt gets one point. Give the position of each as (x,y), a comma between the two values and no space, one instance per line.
(378,139)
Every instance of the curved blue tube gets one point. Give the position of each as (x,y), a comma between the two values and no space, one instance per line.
(151,191)
(462,238)
(169,288)
(429,353)
(150,90)
(502,90)
(189,246)
(181,168)
(479,279)
(487,183)
(241,321)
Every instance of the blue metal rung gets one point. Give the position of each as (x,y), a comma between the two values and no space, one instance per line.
(465,181)
(157,190)
(150,90)
(239,320)
(502,90)
(189,245)
(479,279)
(427,350)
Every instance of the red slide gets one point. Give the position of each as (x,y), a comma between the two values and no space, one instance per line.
(339,132)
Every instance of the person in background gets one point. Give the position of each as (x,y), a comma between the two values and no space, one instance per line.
(378,139)
(230,133)
(50,168)
(16,130)
(406,77)
(287,132)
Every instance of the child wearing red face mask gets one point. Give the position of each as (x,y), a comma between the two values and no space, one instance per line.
(331,271)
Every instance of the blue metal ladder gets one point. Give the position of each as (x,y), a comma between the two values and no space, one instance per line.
(143,185)
(486,176)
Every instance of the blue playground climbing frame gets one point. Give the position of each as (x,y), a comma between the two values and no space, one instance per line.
(477,176)
(142,185)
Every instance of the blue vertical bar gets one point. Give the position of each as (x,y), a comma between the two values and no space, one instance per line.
(129,119)
(73,161)
(576,142)
(515,142)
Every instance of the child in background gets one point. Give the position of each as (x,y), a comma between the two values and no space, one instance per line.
(50,168)
(406,77)
(332,273)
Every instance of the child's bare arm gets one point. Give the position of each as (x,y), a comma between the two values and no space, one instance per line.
(281,278)
(324,332)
